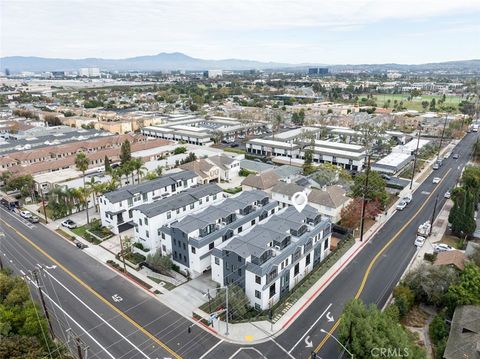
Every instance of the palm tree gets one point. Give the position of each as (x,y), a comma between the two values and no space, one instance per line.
(60,201)
(159,170)
(137,165)
(82,162)
(96,188)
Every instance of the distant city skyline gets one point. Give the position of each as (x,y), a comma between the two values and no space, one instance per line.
(302,31)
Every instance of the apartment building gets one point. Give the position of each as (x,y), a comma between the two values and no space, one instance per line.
(116,207)
(270,259)
(150,217)
(191,240)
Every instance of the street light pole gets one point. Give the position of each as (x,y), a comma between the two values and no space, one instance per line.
(433,214)
(364,202)
(443,133)
(343,346)
(226,313)
(416,154)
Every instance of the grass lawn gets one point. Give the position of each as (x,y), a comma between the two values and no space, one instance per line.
(415,103)
(82,232)
(233,190)
(64,234)
(234,150)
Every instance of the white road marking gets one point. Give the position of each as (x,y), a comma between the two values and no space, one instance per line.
(98,316)
(315,323)
(116,298)
(330,317)
(73,320)
(308,342)
(247,348)
(209,350)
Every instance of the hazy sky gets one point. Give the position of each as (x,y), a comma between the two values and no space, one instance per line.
(294,31)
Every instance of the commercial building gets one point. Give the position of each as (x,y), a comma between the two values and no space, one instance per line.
(150,217)
(270,259)
(190,241)
(392,163)
(211,74)
(116,207)
(317,71)
(89,72)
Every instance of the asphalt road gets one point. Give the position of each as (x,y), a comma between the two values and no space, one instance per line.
(116,319)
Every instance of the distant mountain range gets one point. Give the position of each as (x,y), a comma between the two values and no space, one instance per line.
(179,61)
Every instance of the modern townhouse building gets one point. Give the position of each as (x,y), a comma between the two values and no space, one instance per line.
(116,207)
(270,259)
(191,240)
(283,192)
(150,217)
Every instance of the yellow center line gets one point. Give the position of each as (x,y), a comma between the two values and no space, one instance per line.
(94,292)
(372,262)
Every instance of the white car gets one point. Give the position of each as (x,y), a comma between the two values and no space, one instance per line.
(419,241)
(442,247)
(401,205)
(407,198)
(436,180)
(69,224)
(447,194)
(25,214)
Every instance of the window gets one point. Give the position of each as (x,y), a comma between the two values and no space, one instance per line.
(147,234)
(272,211)
(146,221)
(239,258)
(200,201)
(191,206)
(258,294)
(239,272)
(163,235)
(214,197)
(210,246)
(169,215)
(174,241)
(217,261)
(130,202)
(178,210)
(164,249)
(325,245)
(307,260)
(207,199)
(193,250)
(296,269)
(272,290)
(252,222)
(240,229)
(144,197)
(136,229)
(184,246)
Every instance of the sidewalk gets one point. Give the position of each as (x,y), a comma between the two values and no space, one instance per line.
(256,332)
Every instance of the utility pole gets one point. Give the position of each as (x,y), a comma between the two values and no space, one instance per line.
(209,302)
(443,133)
(226,304)
(122,252)
(42,299)
(43,205)
(416,154)
(433,214)
(364,202)
(81,347)
(2,235)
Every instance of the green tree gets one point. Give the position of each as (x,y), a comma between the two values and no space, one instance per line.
(432,104)
(364,329)
(404,299)
(467,108)
(125,152)
(159,262)
(81,163)
(180,150)
(159,171)
(430,283)
(425,105)
(376,189)
(25,184)
(237,301)
(106,163)
(467,290)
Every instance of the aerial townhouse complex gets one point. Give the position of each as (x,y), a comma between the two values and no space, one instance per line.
(116,207)
(150,217)
(191,240)
(271,258)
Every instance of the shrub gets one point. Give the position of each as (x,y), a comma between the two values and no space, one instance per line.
(430,257)
(404,299)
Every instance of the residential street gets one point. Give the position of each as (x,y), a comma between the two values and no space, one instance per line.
(117,319)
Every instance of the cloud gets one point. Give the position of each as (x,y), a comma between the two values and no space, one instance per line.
(260,29)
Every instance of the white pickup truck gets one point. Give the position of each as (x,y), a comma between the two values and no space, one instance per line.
(424,229)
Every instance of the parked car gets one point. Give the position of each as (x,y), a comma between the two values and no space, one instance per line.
(436,180)
(386,177)
(33,219)
(442,247)
(435,166)
(69,224)
(407,198)
(401,205)
(455,156)
(25,214)
(419,241)
(447,194)
(234,145)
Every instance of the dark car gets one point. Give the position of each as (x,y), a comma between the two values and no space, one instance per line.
(234,145)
